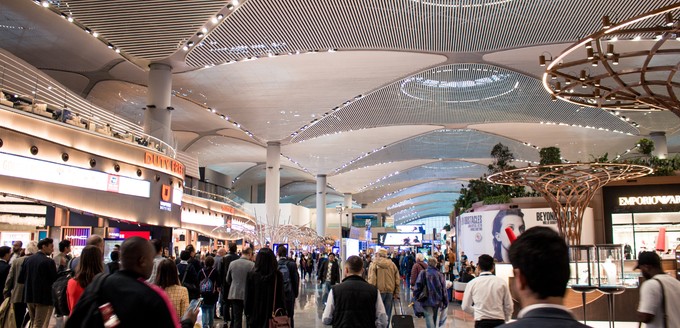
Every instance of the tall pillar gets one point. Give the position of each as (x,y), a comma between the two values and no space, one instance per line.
(158,115)
(321,205)
(273,182)
(660,146)
(347,204)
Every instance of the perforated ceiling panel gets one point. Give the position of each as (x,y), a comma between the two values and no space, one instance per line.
(460,94)
(150,29)
(263,27)
(451,185)
(435,197)
(443,210)
(446,143)
(439,170)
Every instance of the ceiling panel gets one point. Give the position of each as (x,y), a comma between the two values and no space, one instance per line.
(232,169)
(418,189)
(273,97)
(325,154)
(264,27)
(445,144)
(576,144)
(360,179)
(150,29)
(460,94)
(213,150)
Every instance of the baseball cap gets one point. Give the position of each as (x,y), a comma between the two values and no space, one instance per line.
(648,258)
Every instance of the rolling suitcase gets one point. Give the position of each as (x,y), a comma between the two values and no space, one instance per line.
(402,320)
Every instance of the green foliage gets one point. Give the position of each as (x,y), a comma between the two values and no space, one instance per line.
(662,167)
(645,146)
(483,190)
(550,155)
(602,159)
(500,199)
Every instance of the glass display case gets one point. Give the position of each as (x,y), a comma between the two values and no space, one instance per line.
(583,277)
(583,270)
(610,268)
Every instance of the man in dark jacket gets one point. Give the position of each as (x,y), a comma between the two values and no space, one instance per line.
(329,275)
(131,299)
(38,273)
(5,254)
(354,303)
(224,268)
(290,292)
(540,259)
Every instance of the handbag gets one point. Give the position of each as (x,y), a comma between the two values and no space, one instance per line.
(277,320)
(424,294)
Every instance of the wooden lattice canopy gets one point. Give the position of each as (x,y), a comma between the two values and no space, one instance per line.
(569,188)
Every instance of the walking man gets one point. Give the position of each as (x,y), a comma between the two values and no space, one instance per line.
(291,281)
(354,303)
(384,275)
(38,273)
(236,277)
(659,293)
(487,296)
(329,275)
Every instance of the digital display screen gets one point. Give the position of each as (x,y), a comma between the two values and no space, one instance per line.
(400,239)
(359,220)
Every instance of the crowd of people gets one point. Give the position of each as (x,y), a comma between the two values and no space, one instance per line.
(142,287)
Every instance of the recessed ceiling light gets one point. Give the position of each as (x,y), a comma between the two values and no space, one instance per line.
(95,34)
(70,19)
(637,38)
(45,4)
(214,20)
(185,48)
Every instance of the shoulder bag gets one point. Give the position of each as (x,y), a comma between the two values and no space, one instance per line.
(425,293)
(278,321)
(194,293)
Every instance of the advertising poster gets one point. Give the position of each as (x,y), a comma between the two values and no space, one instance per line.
(484,232)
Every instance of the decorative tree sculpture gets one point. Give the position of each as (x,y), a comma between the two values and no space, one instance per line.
(569,188)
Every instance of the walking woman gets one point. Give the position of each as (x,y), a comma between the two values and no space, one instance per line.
(88,267)
(168,280)
(210,290)
(260,291)
(431,282)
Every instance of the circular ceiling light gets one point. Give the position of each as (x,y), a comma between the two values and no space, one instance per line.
(462,83)
(462,3)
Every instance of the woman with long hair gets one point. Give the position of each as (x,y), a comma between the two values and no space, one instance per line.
(168,280)
(89,266)
(260,292)
(510,218)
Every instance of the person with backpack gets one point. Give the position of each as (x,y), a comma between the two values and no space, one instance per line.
(291,281)
(409,261)
(89,266)
(430,293)
(210,285)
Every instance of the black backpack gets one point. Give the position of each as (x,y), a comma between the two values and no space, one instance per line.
(86,313)
(59,292)
(287,285)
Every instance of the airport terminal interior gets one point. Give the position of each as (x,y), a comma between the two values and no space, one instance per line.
(349,127)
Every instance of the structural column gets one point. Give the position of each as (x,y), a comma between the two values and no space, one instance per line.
(347,207)
(158,114)
(273,182)
(321,205)
(660,146)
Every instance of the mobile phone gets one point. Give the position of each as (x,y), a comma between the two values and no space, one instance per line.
(195,304)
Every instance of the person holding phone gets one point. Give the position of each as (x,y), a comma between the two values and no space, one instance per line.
(167,279)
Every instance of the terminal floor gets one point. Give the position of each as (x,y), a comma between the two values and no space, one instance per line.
(308,311)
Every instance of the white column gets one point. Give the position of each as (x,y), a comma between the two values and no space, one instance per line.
(346,208)
(157,117)
(660,146)
(347,204)
(321,204)
(273,182)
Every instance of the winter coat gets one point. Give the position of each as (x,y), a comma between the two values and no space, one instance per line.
(436,288)
(383,274)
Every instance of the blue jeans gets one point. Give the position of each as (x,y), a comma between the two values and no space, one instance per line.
(387,300)
(208,315)
(431,316)
(326,289)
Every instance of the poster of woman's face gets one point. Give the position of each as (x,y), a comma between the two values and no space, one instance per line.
(510,218)
(483,232)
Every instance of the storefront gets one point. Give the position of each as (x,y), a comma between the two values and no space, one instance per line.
(636,213)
